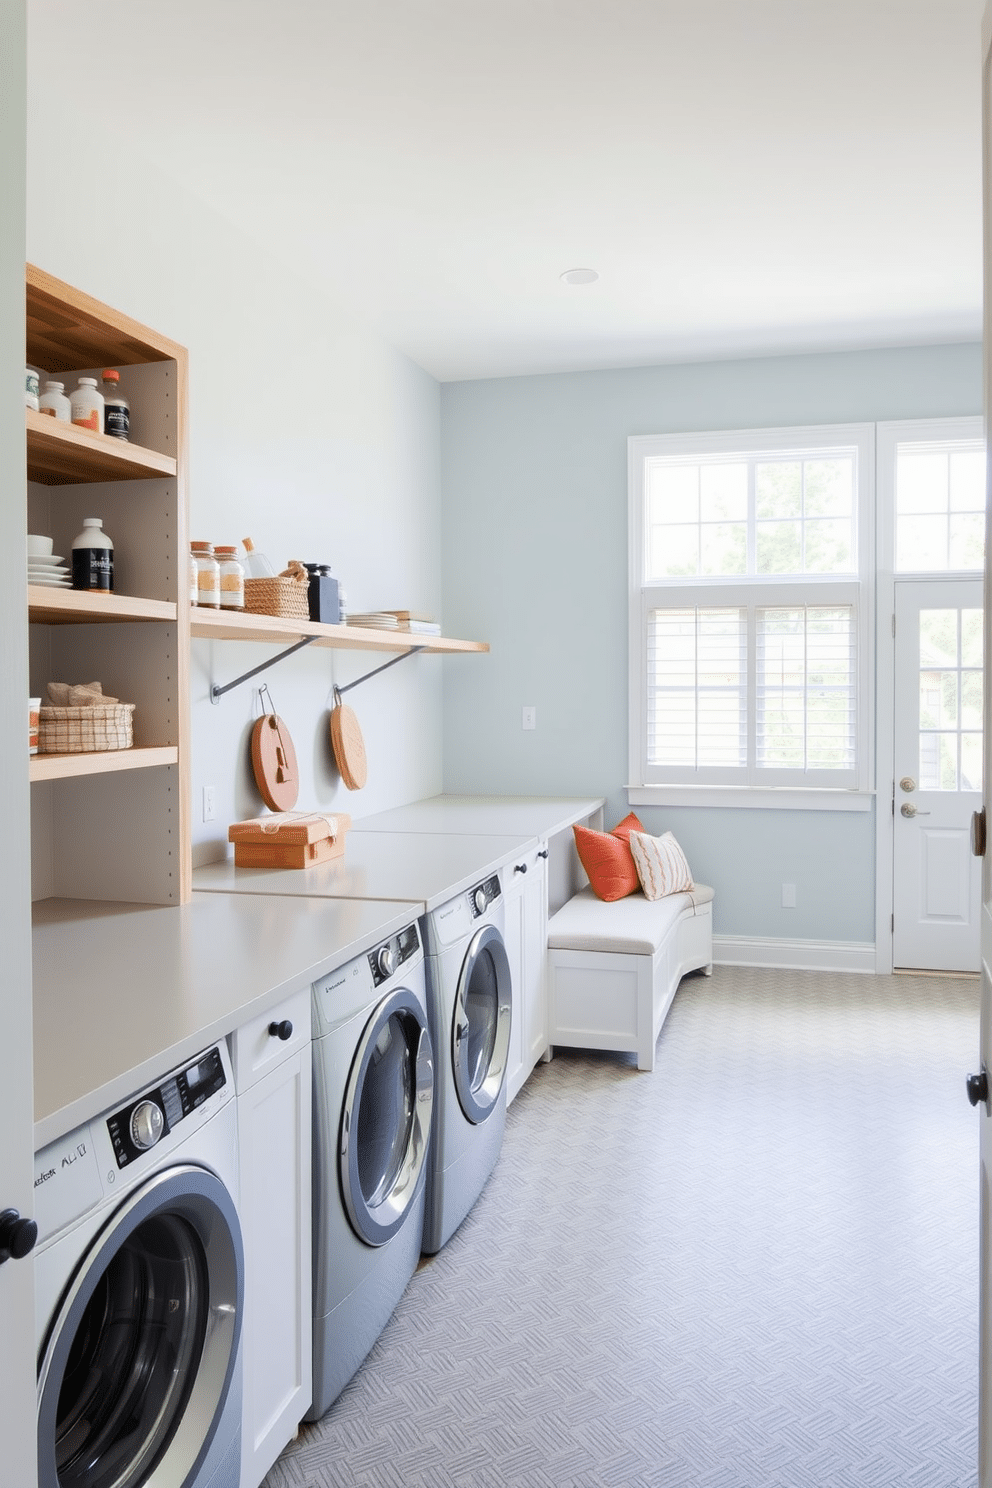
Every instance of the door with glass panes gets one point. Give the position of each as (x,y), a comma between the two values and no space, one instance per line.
(937,772)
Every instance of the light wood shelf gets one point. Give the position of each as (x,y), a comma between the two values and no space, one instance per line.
(101,762)
(217,626)
(50,606)
(61,454)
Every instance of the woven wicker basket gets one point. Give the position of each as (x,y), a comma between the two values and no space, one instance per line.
(285,597)
(85,730)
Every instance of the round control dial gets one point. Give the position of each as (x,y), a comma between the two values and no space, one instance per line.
(480,900)
(386,960)
(147,1125)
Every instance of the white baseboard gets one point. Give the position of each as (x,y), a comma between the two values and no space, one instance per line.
(794,955)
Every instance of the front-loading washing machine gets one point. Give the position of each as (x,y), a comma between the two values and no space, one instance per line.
(139,1276)
(469,981)
(373,1086)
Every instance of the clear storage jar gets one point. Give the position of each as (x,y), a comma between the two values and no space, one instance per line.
(207,575)
(232,578)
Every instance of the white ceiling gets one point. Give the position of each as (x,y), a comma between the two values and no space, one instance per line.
(747,176)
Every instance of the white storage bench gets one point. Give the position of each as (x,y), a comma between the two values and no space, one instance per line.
(614,967)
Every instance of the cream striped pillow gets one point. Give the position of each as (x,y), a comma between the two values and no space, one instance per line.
(661,865)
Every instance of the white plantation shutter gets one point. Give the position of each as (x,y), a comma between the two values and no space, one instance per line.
(697,677)
(806,688)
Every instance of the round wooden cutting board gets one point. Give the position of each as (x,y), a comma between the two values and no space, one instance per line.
(348,745)
(273,760)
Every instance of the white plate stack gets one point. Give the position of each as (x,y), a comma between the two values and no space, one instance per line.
(51,571)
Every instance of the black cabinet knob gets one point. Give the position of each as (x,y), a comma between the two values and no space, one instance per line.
(543,853)
(520,867)
(283,1030)
(978,1087)
(17,1236)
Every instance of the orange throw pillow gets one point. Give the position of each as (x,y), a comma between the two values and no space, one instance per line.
(608,861)
(630,823)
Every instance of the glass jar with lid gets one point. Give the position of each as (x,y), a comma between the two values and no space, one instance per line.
(232,578)
(207,575)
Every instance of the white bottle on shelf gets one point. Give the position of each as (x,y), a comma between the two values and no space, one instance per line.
(93,557)
(54,402)
(87,405)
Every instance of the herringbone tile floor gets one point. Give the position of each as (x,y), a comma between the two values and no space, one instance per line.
(754,1268)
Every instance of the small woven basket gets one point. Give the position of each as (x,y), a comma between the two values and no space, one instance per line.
(85,730)
(284,597)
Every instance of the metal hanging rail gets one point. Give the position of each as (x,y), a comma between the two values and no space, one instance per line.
(217,692)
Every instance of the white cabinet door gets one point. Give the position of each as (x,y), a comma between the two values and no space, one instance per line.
(18,1404)
(274,1141)
(525,888)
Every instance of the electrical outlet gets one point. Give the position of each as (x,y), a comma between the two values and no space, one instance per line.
(788,896)
(529,718)
(209,802)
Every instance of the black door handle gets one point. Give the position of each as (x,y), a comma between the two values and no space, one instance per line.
(978,1087)
(283,1030)
(17,1236)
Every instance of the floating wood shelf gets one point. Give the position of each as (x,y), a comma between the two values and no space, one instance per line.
(61,454)
(50,606)
(218,626)
(102,762)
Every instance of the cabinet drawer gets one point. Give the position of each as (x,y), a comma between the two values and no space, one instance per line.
(255,1049)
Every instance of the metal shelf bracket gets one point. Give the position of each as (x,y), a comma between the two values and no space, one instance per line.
(217,692)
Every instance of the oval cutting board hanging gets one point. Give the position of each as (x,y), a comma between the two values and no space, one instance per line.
(348,745)
(273,761)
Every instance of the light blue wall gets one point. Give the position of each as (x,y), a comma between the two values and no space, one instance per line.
(534,531)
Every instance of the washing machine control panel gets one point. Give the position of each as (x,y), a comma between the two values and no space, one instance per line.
(138,1127)
(386,959)
(483,895)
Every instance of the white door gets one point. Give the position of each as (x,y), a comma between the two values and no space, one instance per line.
(17,1345)
(937,770)
(984,1053)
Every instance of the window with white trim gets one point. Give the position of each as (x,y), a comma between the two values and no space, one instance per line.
(751,635)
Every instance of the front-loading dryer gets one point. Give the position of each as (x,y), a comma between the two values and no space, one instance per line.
(469,982)
(373,1086)
(139,1276)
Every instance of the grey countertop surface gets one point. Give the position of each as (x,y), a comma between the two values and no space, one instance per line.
(426,869)
(535,816)
(123,992)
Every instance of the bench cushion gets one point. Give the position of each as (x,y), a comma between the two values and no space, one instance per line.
(632,926)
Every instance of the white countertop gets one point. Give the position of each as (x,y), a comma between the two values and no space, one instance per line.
(422,869)
(123,992)
(535,816)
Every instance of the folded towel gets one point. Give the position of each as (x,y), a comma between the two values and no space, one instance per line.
(81,695)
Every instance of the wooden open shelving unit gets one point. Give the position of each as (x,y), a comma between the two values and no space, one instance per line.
(237,626)
(50,606)
(61,454)
(113,824)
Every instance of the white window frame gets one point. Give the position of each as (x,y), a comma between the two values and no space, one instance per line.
(708,789)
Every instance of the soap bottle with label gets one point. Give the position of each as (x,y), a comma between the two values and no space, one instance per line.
(93,557)
(116,408)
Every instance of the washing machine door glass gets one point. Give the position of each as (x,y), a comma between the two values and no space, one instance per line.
(139,1361)
(386,1118)
(480,1029)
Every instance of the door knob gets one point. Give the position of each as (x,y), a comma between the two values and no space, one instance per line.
(17,1236)
(908,809)
(907,783)
(978,1087)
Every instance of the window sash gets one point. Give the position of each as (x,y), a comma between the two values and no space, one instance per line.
(764,691)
